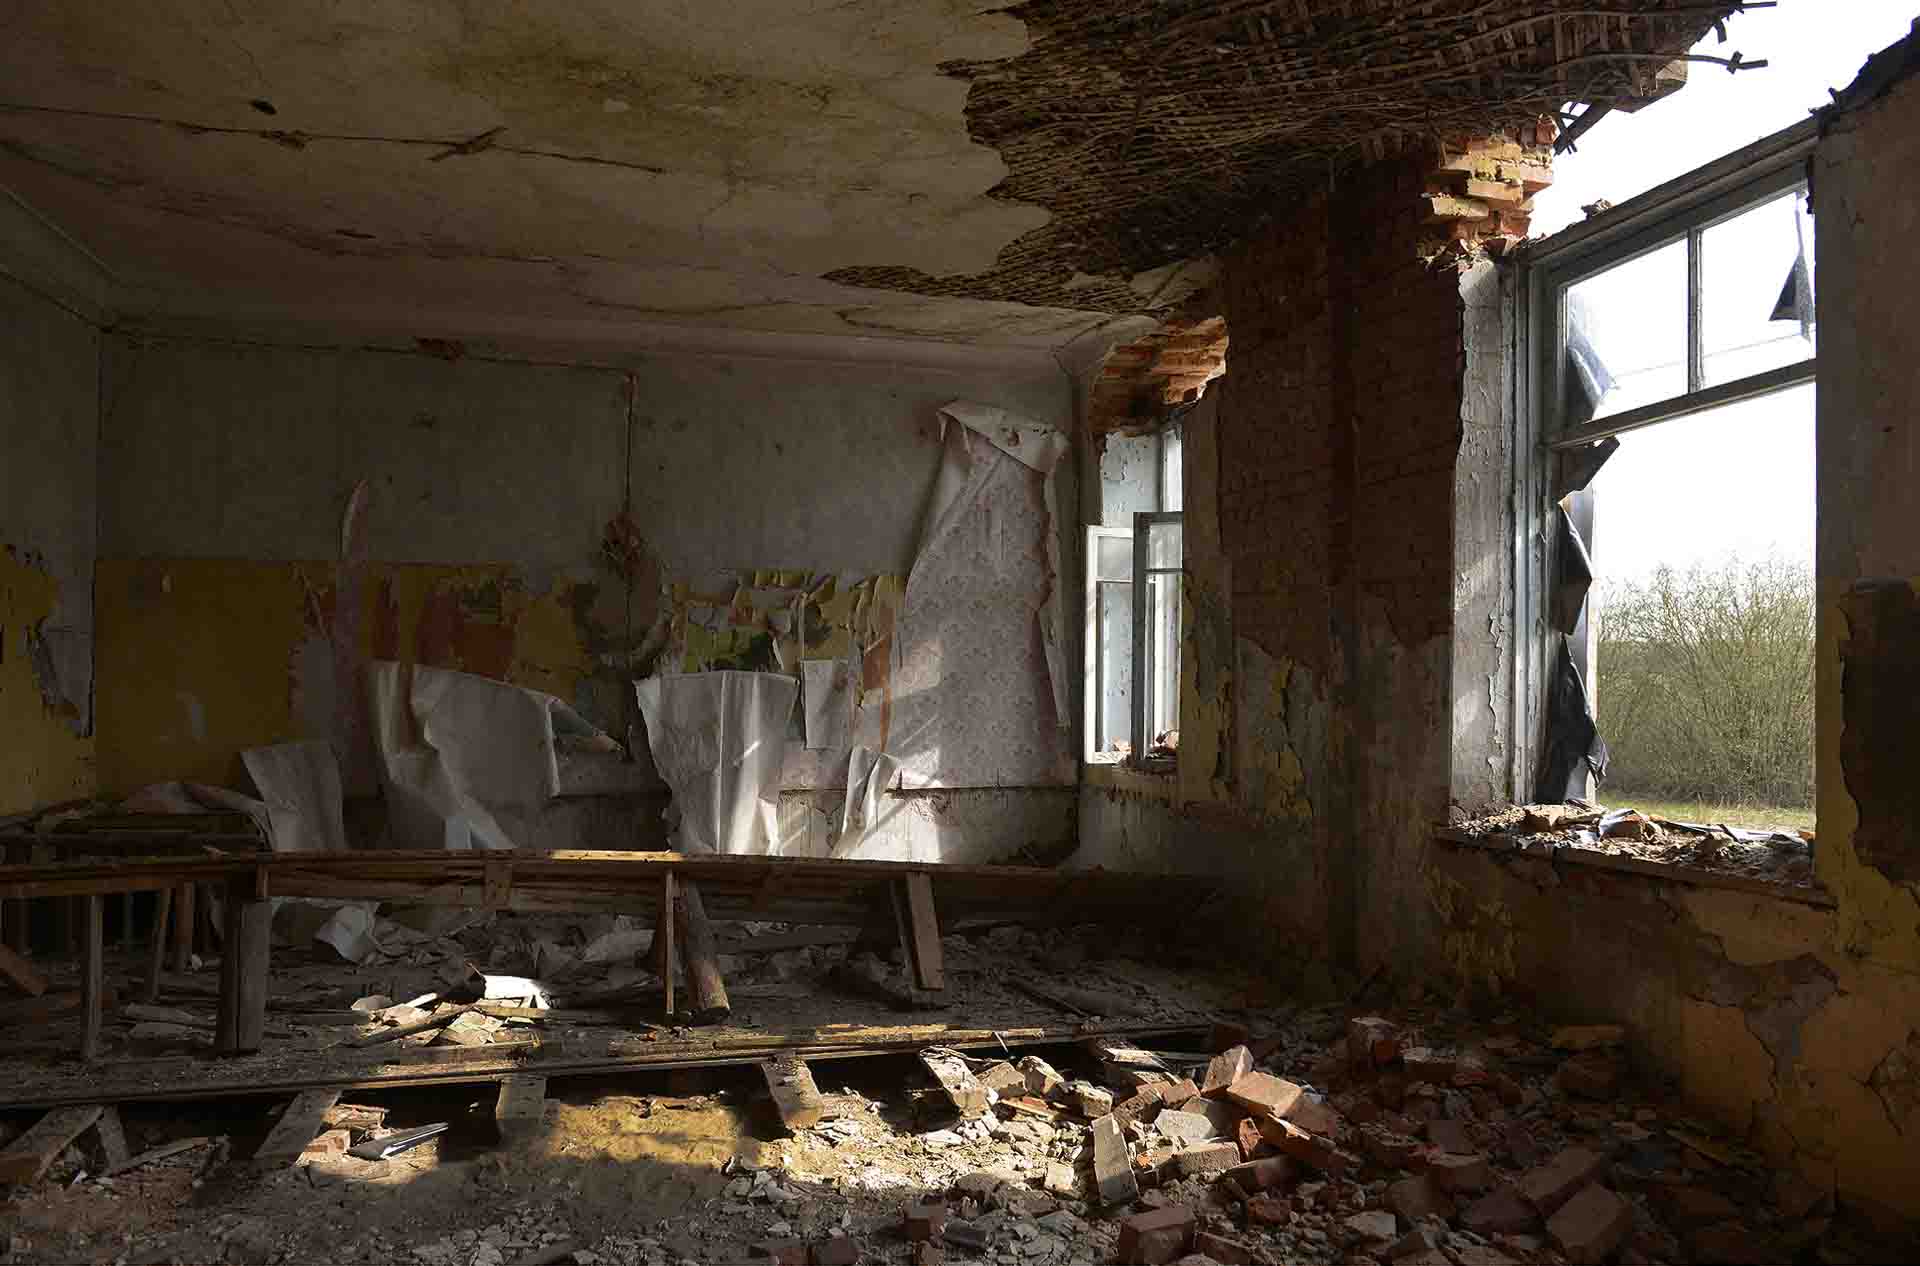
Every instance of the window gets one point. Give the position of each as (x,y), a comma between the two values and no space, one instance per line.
(1157,558)
(1676,587)
(1133,601)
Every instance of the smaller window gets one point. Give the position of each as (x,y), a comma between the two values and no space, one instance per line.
(1157,571)
(1109,643)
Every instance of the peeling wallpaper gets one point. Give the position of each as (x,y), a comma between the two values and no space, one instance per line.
(45,761)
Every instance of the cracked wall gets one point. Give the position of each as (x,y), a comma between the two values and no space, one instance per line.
(494,530)
(48,424)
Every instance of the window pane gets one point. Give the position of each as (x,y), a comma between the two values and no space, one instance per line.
(1163,545)
(1702,612)
(1113,718)
(1113,558)
(1757,291)
(1627,336)
(1163,632)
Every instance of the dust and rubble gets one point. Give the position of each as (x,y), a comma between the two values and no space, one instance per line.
(1582,829)
(1418,1133)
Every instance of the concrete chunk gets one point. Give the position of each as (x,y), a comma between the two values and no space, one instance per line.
(1551,1185)
(1112,1169)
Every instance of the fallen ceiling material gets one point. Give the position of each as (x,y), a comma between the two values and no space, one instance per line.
(1155,138)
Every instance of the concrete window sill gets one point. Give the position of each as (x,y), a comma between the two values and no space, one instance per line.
(1537,848)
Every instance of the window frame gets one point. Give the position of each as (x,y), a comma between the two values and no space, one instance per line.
(1680,210)
(1144,666)
(1094,687)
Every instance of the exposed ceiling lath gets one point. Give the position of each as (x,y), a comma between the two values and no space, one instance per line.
(1155,132)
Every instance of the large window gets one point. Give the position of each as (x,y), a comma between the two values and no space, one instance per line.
(1674,344)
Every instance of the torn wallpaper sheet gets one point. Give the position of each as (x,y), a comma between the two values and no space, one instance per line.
(468,761)
(868,774)
(719,740)
(301,785)
(824,689)
(980,693)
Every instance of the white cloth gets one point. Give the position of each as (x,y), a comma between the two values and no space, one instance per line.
(719,740)
(468,762)
(301,784)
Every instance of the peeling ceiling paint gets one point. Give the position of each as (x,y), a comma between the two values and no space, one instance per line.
(773,165)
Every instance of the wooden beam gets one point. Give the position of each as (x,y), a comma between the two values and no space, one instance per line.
(113,1139)
(520,1107)
(20,973)
(663,933)
(157,946)
(439,1020)
(30,1155)
(795,1096)
(923,939)
(245,955)
(93,954)
(704,982)
(299,1123)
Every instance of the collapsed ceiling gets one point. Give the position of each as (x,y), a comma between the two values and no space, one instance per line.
(924,169)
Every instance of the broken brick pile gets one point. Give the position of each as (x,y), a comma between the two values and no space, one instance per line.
(1482,190)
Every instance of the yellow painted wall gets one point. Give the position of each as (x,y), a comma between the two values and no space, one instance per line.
(199,659)
(45,761)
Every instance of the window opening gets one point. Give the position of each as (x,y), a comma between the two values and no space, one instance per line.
(1157,572)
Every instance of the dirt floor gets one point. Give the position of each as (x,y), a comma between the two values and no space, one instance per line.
(1437,1125)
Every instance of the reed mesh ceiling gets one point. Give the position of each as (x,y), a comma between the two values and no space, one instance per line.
(1158,130)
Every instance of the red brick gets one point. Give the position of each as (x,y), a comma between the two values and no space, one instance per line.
(1154,1238)
(1547,1187)
(1221,1249)
(1224,1069)
(1264,1094)
(782,1252)
(1501,1211)
(1459,1174)
(924,1221)
(1270,1210)
(1591,1225)
(1371,1042)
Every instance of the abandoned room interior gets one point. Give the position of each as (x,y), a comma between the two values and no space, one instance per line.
(1237,631)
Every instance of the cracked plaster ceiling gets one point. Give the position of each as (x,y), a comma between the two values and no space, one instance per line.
(771,165)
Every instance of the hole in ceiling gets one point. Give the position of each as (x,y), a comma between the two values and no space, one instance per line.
(263,105)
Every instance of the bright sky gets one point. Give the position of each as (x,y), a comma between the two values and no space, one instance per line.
(1740,481)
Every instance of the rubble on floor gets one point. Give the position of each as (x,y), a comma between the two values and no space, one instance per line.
(1771,856)
(1417,1137)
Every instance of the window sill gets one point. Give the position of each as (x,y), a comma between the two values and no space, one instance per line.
(1126,777)
(1547,848)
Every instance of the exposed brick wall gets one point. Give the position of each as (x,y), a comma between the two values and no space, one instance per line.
(1340,417)
(1139,380)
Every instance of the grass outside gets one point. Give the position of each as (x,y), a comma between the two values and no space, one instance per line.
(1753,817)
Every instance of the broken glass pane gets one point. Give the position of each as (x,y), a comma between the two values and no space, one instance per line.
(1627,335)
(1757,290)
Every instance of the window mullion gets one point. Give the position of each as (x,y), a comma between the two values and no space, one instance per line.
(1696,325)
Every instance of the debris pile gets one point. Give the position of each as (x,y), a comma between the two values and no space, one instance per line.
(1772,856)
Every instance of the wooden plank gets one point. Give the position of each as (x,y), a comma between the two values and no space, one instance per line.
(963,1089)
(244,963)
(299,1123)
(20,973)
(438,1020)
(798,938)
(795,1096)
(46,1006)
(159,1153)
(663,933)
(30,1155)
(923,944)
(704,982)
(157,946)
(183,924)
(113,1139)
(520,1107)
(93,958)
